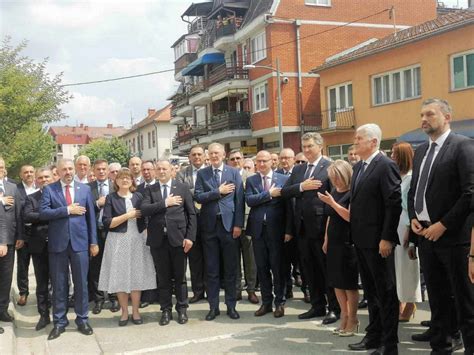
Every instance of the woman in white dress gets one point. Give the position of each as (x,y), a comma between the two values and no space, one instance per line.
(407,266)
(127,265)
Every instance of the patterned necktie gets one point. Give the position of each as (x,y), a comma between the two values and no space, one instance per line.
(68,195)
(2,189)
(309,171)
(266,183)
(420,192)
(217,177)
(101,189)
(359,175)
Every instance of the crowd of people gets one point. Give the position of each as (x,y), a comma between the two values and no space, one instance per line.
(102,233)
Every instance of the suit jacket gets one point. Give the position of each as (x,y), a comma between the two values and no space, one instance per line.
(179,221)
(11,225)
(449,189)
(230,206)
(80,231)
(95,193)
(276,211)
(376,203)
(39,229)
(25,229)
(308,207)
(115,206)
(185,176)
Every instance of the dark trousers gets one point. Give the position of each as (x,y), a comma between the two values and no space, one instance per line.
(291,266)
(22,268)
(268,250)
(313,262)
(197,265)
(445,270)
(378,280)
(41,266)
(94,271)
(59,270)
(6,275)
(216,243)
(170,264)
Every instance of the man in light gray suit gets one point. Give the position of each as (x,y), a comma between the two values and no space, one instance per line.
(10,238)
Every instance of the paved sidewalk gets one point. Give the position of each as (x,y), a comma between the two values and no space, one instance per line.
(264,335)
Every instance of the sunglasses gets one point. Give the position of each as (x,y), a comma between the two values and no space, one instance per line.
(300,161)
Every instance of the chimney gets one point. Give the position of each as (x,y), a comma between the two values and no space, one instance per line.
(151,111)
(82,125)
(110,125)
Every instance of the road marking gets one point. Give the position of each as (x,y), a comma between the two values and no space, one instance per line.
(205,340)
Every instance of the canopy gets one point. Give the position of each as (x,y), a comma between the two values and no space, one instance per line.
(196,68)
(417,136)
(198,9)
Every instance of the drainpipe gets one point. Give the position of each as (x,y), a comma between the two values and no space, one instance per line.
(156,140)
(300,81)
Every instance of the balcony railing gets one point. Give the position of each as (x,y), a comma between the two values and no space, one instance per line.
(229,121)
(199,131)
(225,28)
(197,88)
(183,61)
(339,118)
(223,73)
(197,24)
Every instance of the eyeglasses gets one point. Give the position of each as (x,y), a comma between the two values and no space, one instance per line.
(300,161)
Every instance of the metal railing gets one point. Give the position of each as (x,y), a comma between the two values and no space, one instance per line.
(223,73)
(331,120)
(229,121)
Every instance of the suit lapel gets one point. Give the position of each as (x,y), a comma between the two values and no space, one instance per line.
(365,174)
(438,158)
(77,191)
(58,188)
(318,168)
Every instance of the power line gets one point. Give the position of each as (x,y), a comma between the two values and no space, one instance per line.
(270,47)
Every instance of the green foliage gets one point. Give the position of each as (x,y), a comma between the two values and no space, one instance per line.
(32,145)
(29,98)
(113,150)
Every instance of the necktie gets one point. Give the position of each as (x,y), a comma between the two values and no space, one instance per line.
(266,183)
(217,178)
(68,195)
(420,192)
(165,192)
(2,189)
(101,189)
(359,175)
(308,172)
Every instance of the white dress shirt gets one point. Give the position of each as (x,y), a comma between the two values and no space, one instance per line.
(29,189)
(315,164)
(82,181)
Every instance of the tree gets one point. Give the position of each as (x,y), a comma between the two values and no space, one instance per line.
(29,98)
(113,150)
(32,145)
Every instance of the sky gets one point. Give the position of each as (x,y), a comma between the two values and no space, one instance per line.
(91,40)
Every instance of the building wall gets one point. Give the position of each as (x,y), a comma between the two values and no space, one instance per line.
(432,54)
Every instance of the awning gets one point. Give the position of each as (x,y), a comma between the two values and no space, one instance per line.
(417,136)
(198,9)
(196,68)
(230,93)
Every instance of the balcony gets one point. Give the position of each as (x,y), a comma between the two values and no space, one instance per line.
(335,120)
(198,24)
(223,73)
(225,28)
(183,61)
(230,126)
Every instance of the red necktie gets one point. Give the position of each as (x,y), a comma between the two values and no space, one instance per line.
(68,196)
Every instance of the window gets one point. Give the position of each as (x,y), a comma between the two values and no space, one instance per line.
(338,151)
(396,86)
(260,94)
(149,140)
(258,47)
(462,70)
(244,54)
(153,138)
(318,2)
(141,142)
(180,50)
(340,99)
(134,147)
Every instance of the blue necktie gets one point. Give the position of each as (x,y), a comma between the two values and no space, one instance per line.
(217,178)
(165,192)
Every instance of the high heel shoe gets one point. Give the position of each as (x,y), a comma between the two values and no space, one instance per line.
(350,332)
(337,331)
(408,313)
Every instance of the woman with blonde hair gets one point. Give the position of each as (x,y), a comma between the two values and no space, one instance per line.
(407,266)
(341,255)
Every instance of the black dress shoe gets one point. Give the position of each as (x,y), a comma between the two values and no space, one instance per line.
(166,316)
(5,317)
(98,307)
(182,316)
(330,318)
(232,313)
(197,297)
(213,313)
(114,306)
(56,332)
(312,313)
(85,329)
(364,344)
(386,350)
(123,322)
(43,322)
(362,304)
(425,336)
(425,323)
(457,344)
(2,330)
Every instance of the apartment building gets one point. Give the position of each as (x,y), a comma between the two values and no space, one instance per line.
(221,99)
(150,139)
(386,81)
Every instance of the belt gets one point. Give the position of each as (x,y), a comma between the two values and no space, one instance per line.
(425,224)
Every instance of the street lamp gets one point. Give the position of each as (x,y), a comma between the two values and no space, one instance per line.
(277,70)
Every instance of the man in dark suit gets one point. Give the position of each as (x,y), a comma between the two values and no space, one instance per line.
(220,190)
(10,238)
(269,224)
(25,187)
(68,206)
(310,226)
(438,205)
(38,246)
(171,232)
(375,209)
(100,188)
(195,256)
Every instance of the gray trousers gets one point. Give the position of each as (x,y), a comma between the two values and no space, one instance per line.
(250,268)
